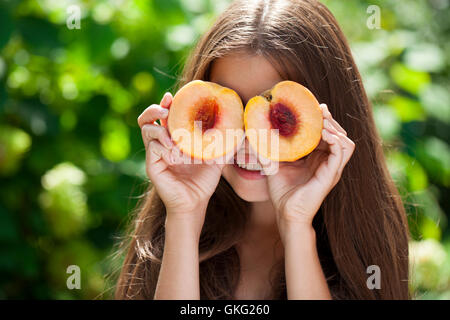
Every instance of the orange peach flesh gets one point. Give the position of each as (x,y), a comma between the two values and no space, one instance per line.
(205,114)
(206,120)
(295,112)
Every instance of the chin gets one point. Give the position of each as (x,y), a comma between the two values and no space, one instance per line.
(248,190)
(252,197)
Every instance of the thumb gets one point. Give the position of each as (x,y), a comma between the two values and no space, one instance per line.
(166,102)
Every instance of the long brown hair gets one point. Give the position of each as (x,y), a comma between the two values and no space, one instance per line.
(362,221)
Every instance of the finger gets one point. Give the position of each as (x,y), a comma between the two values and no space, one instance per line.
(166,102)
(178,157)
(152,131)
(327,115)
(157,152)
(329,125)
(338,126)
(152,113)
(332,128)
(333,163)
(348,146)
(157,159)
(348,149)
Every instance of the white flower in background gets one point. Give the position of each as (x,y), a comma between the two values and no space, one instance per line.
(64,201)
(63,173)
(427,263)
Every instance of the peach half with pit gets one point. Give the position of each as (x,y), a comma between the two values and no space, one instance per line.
(206,120)
(294,111)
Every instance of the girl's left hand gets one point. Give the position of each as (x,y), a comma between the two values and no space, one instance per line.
(298,188)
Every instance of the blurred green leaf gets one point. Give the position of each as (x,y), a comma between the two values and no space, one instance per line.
(408,79)
(425,57)
(429,229)
(14,143)
(115,143)
(9,231)
(6,25)
(38,33)
(72,163)
(435,99)
(407,109)
(179,37)
(64,201)
(387,121)
(434,154)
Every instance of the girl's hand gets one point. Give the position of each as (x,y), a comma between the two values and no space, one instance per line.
(298,188)
(184,187)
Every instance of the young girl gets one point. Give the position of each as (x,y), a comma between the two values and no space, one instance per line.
(330,225)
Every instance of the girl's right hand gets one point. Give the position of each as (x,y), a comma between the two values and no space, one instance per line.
(185,188)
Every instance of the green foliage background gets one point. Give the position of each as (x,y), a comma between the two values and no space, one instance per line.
(71,156)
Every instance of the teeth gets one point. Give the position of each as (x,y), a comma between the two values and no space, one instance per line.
(250,166)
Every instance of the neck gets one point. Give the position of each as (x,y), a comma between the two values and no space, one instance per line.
(262,224)
(261,244)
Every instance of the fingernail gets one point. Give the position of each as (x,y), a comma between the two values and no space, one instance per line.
(165,99)
(165,112)
(326,123)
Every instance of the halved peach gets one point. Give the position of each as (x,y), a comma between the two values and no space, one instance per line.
(294,111)
(206,120)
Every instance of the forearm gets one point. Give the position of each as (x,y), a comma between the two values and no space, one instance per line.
(304,275)
(179,273)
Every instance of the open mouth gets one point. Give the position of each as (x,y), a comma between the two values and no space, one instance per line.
(247,169)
